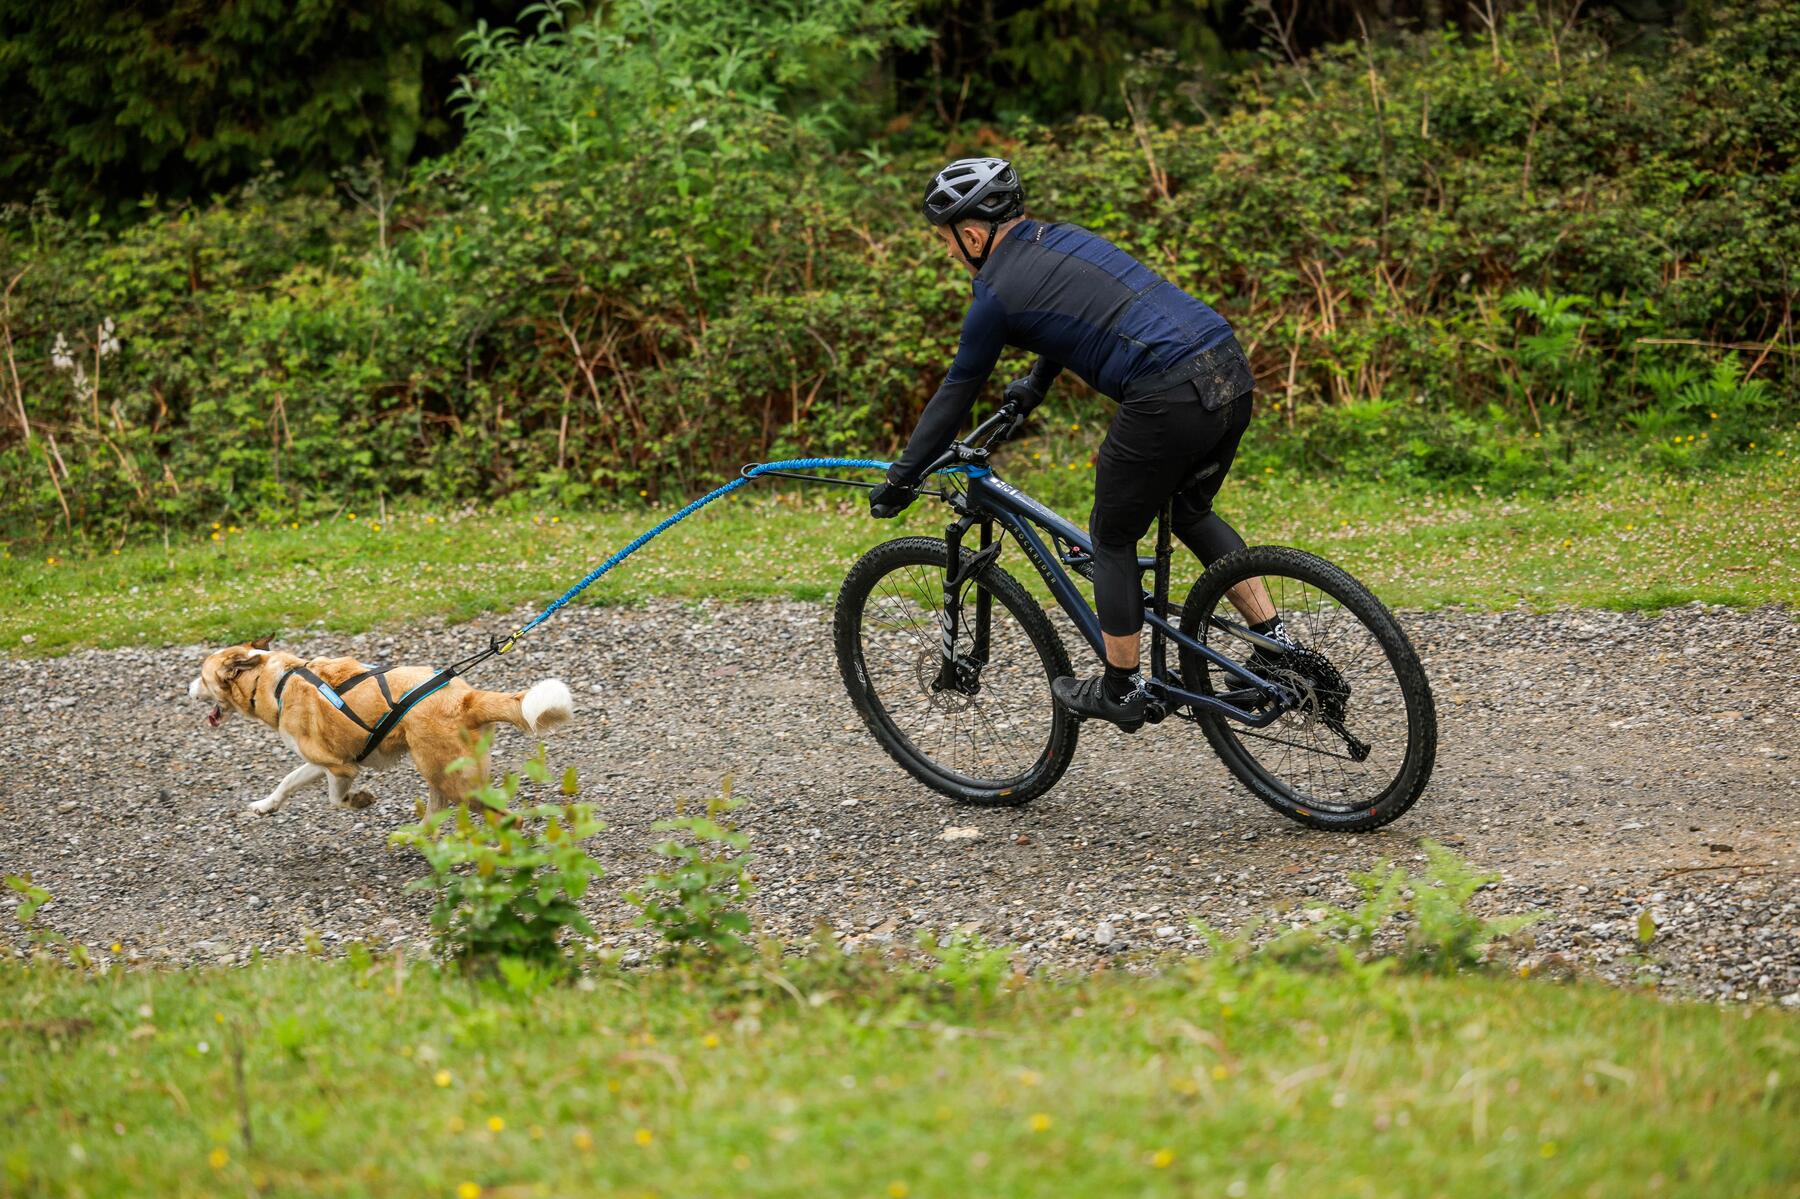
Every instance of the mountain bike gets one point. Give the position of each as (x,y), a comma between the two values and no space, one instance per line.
(949,660)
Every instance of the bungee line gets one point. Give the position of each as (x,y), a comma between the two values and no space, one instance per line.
(398,708)
(749,473)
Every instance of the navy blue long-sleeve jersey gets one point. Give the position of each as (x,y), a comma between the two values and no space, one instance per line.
(1077,301)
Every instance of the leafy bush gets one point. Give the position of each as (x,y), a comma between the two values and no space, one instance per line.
(1728,410)
(109,104)
(694,902)
(1451,259)
(506,882)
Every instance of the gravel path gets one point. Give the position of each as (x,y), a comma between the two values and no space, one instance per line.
(1603,762)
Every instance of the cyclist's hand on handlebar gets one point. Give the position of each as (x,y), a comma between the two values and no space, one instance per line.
(1023,395)
(890,499)
(1008,429)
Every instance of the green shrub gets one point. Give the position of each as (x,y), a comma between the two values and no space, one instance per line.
(107,105)
(637,273)
(695,901)
(1728,410)
(506,882)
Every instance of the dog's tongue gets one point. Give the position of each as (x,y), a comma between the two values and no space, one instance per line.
(215,716)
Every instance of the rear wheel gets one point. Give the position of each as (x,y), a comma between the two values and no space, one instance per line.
(1358,749)
(986,731)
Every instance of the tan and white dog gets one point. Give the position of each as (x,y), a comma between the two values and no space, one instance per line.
(441,728)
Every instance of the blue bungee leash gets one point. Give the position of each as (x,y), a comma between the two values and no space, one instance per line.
(783,469)
(398,708)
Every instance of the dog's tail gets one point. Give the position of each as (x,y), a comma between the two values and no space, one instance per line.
(540,709)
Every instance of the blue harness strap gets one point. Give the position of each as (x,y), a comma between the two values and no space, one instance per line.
(397,708)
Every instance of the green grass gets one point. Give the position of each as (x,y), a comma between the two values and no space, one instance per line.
(373,1077)
(1631,541)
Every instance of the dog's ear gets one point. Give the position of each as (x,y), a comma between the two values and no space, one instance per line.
(263,643)
(236,663)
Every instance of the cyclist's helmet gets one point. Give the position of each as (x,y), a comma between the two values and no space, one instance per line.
(975,189)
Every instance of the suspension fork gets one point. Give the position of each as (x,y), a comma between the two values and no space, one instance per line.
(984,599)
(956,574)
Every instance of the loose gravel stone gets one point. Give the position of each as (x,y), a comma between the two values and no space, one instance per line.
(1605,764)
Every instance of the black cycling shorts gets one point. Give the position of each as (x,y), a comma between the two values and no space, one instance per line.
(1153,446)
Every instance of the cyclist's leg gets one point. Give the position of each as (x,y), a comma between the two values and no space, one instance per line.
(1151,446)
(1207,533)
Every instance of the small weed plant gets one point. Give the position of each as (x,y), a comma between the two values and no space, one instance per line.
(1699,417)
(41,940)
(1429,913)
(695,901)
(969,968)
(507,880)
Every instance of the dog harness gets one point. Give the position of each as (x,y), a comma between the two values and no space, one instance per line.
(397,708)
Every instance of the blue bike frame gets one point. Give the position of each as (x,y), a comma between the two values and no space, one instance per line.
(989,501)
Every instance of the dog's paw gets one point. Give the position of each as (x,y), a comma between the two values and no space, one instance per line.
(264,807)
(359,799)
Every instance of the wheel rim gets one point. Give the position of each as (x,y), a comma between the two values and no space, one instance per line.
(1301,755)
(989,740)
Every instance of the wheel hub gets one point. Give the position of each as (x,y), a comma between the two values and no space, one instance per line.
(955,693)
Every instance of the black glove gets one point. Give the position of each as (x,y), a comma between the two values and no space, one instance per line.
(1023,395)
(890,499)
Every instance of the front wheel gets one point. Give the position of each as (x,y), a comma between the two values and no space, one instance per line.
(979,726)
(1357,748)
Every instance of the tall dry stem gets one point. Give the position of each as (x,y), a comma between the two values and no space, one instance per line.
(12,369)
(1283,34)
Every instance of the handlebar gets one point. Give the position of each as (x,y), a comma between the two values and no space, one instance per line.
(997,428)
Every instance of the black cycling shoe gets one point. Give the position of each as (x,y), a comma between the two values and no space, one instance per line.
(1089,698)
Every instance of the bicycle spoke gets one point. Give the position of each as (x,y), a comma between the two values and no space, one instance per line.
(992,726)
(1301,750)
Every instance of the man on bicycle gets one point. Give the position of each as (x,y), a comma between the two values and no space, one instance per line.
(1182,383)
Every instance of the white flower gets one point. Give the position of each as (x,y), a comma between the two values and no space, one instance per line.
(59,354)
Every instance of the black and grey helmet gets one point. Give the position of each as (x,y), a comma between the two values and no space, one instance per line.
(975,189)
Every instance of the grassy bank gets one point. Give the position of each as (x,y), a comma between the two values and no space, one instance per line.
(1632,541)
(358,1077)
